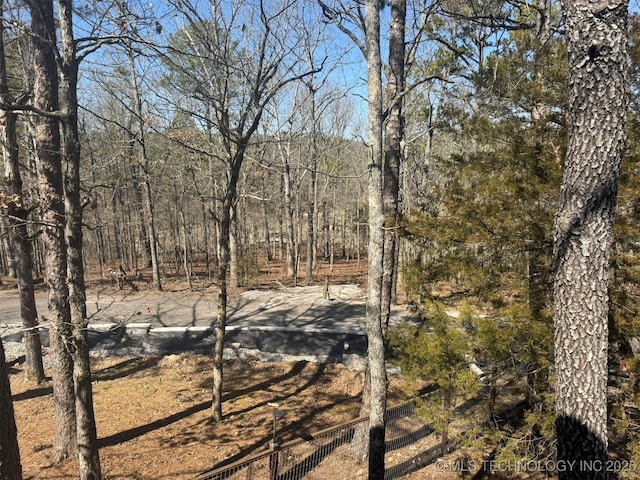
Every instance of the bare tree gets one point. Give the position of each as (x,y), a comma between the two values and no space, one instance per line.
(394,134)
(17,216)
(286,144)
(87,440)
(147,199)
(375,337)
(126,22)
(375,388)
(49,168)
(236,63)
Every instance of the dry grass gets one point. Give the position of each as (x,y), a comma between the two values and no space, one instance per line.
(153,413)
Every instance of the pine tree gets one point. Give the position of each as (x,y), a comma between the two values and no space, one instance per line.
(598,63)
(437,352)
(488,232)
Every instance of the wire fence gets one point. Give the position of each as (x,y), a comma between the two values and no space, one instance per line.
(333,453)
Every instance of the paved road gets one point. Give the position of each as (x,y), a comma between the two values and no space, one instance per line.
(295,321)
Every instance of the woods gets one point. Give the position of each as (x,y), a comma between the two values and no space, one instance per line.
(471,152)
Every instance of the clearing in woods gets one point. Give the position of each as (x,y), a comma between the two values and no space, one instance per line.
(152,412)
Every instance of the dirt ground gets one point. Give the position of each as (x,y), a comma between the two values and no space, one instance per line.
(153,417)
(153,413)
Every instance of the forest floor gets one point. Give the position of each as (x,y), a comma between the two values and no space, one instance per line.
(153,412)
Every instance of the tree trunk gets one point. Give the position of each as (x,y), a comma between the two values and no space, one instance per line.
(87,439)
(49,170)
(313,167)
(207,239)
(139,228)
(211,205)
(233,280)
(7,261)
(393,154)
(223,267)
(117,229)
(17,227)
(10,467)
(359,445)
(376,349)
(147,200)
(325,230)
(289,213)
(186,255)
(280,239)
(265,221)
(583,228)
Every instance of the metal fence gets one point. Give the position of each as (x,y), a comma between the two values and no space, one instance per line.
(331,453)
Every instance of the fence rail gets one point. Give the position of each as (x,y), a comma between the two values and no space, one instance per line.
(317,455)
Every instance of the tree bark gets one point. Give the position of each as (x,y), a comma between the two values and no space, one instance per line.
(596,36)
(313,167)
(186,255)
(8,266)
(393,153)
(10,467)
(289,218)
(87,439)
(223,267)
(233,279)
(266,231)
(20,242)
(49,170)
(376,348)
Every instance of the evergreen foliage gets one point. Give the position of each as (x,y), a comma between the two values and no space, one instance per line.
(482,229)
(624,324)
(437,352)
(487,231)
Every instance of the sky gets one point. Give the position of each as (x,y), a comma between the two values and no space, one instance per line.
(147,15)
(98,19)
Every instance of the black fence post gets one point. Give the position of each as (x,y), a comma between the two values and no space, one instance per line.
(273,461)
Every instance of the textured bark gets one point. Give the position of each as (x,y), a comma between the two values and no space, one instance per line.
(10,467)
(596,34)
(359,445)
(218,349)
(17,227)
(87,439)
(393,154)
(49,170)
(376,348)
